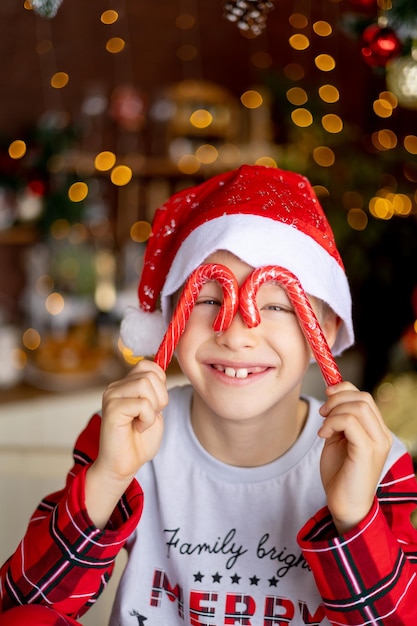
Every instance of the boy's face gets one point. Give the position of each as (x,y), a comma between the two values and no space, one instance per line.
(242,373)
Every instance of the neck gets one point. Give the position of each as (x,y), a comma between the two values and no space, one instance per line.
(250,442)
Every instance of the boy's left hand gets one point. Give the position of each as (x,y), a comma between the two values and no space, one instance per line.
(357,443)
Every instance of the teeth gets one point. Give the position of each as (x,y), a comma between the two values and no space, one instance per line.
(242,372)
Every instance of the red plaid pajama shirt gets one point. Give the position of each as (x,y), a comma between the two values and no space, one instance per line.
(368,576)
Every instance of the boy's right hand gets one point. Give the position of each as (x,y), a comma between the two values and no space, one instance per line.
(131,433)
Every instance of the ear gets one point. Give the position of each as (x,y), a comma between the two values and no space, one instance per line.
(330,327)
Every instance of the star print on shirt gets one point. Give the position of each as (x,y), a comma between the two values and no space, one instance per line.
(216,577)
(273,581)
(254,580)
(235,579)
(198,577)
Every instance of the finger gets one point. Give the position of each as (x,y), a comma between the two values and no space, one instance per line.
(362,433)
(139,385)
(351,399)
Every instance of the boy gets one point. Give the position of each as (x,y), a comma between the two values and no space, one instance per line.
(243,514)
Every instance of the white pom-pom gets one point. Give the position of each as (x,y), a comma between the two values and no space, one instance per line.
(142,332)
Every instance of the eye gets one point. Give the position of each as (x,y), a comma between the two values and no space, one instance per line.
(208,300)
(277,307)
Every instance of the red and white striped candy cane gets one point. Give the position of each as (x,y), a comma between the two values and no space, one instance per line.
(303,310)
(228,309)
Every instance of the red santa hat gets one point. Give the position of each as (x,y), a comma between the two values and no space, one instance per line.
(264,216)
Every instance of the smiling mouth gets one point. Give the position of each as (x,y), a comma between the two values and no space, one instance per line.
(238,372)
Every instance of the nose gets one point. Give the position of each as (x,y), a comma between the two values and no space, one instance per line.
(237,335)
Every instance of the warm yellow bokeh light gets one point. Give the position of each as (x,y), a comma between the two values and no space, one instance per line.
(302,117)
(115,45)
(298,20)
(357,219)
(299,42)
(297,96)
(121,175)
(329,94)
(332,123)
(384,139)
(267,161)
(322,28)
(321,191)
(389,97)
(324,156)
(78,192)
(381,208)
(207,154)
(104,161)
(201,118)
(382,108)
(109,17)
(401,204)
(31,339)
(251,99)
(17,149)
(325,62)
(188,164)
(410,144)
(54,303)
(140,231)
(59,80)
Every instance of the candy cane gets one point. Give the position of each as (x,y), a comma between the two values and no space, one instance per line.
(187,300)
(303,310)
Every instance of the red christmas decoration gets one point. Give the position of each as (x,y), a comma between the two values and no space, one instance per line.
(380,44)
(364,5)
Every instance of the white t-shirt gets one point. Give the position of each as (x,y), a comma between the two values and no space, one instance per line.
(216,544)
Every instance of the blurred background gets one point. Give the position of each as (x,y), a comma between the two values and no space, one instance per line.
(109,106)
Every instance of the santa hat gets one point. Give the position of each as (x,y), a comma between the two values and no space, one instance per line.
(264,216)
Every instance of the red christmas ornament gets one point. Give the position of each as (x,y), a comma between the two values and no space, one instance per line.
(365,5)
(380,44)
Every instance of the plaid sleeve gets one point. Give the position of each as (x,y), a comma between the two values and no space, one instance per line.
(369,575)
(64,561)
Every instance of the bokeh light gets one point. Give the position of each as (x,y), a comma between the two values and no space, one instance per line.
(115,45)
(59,80)
(78,191)
(121,175)
(109,17)
(201,118)
(17,149)
(104,161)
(140,231)
(299,41)
(251,99)
(325,62)
(302,117)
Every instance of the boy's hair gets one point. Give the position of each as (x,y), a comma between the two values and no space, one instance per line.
(263,215)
